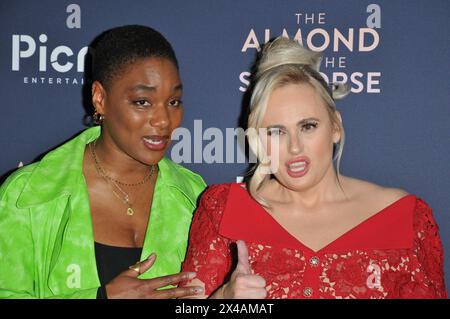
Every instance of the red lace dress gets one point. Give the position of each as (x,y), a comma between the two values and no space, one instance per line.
(396,253)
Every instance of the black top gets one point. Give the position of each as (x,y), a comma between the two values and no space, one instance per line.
(111,260)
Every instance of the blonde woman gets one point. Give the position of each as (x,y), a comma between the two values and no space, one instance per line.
(302,229)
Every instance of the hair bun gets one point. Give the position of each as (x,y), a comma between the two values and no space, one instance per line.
(283,51)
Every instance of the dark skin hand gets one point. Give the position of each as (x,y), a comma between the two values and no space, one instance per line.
(128,286)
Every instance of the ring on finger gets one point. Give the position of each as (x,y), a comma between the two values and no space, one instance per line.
(136,267)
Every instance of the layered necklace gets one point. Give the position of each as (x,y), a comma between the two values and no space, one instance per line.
(114,183)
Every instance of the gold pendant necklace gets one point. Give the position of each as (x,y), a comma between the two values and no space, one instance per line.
(125,198)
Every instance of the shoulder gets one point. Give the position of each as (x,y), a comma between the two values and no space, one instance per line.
(380,197)
(187,183)
(179,172)
(60,161)
(424,220)
(214,200)
(71,149)
(391,195)
(43,180)
(215,196)
(363,190)
(368,198)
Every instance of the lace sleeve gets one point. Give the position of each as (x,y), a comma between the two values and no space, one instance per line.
(209,254)
(429,252)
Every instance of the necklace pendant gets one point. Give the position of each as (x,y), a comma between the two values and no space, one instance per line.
(130,211)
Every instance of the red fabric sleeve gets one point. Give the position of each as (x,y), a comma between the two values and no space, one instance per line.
(209,254)
(430,256)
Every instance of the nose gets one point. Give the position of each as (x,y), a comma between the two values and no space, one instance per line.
(160,117)
(295,144)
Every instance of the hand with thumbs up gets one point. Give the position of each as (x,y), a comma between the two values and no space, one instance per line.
(243,284)
(128,285)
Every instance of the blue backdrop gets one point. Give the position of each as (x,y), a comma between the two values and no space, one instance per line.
(396,119)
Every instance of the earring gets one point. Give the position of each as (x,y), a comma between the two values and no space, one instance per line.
(98,118)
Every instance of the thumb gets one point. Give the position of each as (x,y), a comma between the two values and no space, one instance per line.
(243,265)
(141,267)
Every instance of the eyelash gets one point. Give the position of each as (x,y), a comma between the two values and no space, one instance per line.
(305,127)
(137,102)
(179,103)
(311,125)
(147,103)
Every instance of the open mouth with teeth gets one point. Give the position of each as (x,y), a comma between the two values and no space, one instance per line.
(297,168)
(155,143)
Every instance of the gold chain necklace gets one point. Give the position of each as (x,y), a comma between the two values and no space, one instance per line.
(103,172)
(125,198)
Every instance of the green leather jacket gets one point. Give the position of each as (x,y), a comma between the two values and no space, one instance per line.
(46,236)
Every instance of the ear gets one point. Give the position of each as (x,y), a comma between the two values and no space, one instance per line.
(337,134)
(98,97)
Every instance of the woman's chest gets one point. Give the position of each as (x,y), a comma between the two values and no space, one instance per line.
(296,273)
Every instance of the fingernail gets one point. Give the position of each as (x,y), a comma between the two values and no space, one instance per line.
(197,290)
(151,257)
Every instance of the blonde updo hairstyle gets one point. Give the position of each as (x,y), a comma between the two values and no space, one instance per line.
(284,62)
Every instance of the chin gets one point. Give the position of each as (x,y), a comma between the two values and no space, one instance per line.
(151,159)
(155,160)
(294,184)
(297,188)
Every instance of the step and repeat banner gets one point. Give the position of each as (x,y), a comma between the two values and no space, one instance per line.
(393,54)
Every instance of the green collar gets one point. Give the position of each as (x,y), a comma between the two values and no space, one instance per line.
(63,167)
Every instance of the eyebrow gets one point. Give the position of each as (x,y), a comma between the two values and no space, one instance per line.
(299,123)
(178,87)
(143,87)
